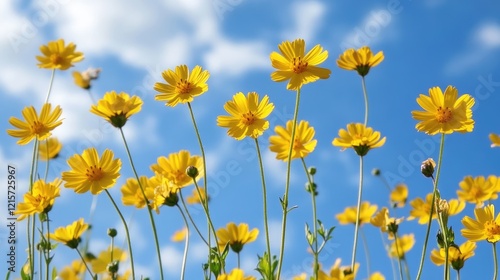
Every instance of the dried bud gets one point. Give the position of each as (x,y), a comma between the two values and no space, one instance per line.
(427,167)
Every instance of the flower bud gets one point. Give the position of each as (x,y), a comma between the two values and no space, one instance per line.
(192,171)
(376,172)
(113,267)
(312,170)
(427,167)
(112,232)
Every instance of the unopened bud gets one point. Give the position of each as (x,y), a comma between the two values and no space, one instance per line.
(376,172)
(312,170)
(192,171)
(112,232)
(427,167)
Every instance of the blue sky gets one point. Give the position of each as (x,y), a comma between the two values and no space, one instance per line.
(425,43)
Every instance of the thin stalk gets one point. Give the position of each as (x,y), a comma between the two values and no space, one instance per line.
(50,85)
(315,219)
(48,161)
(407,270)
(367,252)
(387,248)
(85,263)
(186,244)
(191,218)
(287,185)
(495,261)
(47,258)
(365,94)
(398,256)
(150,211)
(358,214)
(126,231)
(238,259)
(30,229)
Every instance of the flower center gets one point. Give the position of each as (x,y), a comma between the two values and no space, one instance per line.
(94,173)
(298,65)
(37,127)
(183,86)
(444,115)
(248,118)
(55,59)
(297,145)
(491,228)
(178,176)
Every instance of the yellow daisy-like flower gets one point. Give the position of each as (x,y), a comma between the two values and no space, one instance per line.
(421,209)
(194,198)
(100,263)
(70,235)
(376,276)
(182,86)
(484,227)
(117,108)
(49,149)
(303,143)
(386,223)
(401,245)
(179,235)
(132,194)
(235,274)
(173,168)
(236,236)
(477,190)
(359,137)
(338,272)
(165,192)
(56,55)
(295,65)
(247,115)
(83,79)
(444,113)
(495,140)
(35,126)
(125,276)
(75,271)
(302,276)
(360,60)
(39,200)
(89,172)
(349,215)
(456,256)
(399,195)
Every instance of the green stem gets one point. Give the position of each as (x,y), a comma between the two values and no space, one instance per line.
(495,261)
(400,266)
(407,270)
(47,258)
(50,85)
(387,248)
(365,94)
(431,212)
(315,219)
(264,199)
(85,263)
(186,244)
(358,214)
(287,185)
(126,232)
(191,218)
(238,256)
(30,229)
(150,211)
(367,252)
(48,161)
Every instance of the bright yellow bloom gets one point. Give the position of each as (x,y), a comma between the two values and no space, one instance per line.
(302,276)
(338,272)
(194,198)
(117,108)
(125,276)
(376,276)
(360,60)
(359,137)
(58,56)
(349,214)
(484,227)
(132,194)
(421,209)
(477,190)
(179,235)
(386,223)
(39,200)
(100,263)
(444,113)
(70,235)
(49,149)
(83,79)
(495,140)
(295,65)
(247,115)
(401,245)
(456,256)
(235,274)
(303,143)
(182,86)
(173,168)
(75,271)
(236,236)
(165,192)
(89,172)
(399,195)
(35,126)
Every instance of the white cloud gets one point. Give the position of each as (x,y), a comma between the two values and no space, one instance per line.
(488,35)
(307,19)
(172,260)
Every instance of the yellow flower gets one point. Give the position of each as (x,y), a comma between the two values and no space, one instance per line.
(302,276)
(236,236)
(386,223)
(484,227)
(39,200)
(179,235)
(360,60)
(165,192)
(495,140)
(399,195)
(35,126)
(376,276)
(194,198)
(303,143)
(83,79)
(359,137)
(125,276)
(421,209)
(456,256)
(349,214)
(338,272)
(117,108)
(49,149)
(247,115)
(58,56)
(295,65)
(444,113)
(182,86)
(70,235)
(132,194)
(89,172)
(401,245)
(477,190)
(100,263)
(173,168)
(235,274)
(75,271)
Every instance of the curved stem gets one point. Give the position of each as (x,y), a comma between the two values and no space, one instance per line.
(186,244)
(315,219)
(126,231)
(191,218)
(358,214)
(284,202)
(85,263)
(150,211)
(367,252)
(495,261)
(365,94)
(50,85)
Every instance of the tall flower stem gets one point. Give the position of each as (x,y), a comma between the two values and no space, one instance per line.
(315,219)
(367,252)
(30,229)
(431,212)
(284,202)
(150,211)
(358,214)
(85,263)
(264,201)
(191,218)
(365,94)
(398,256)
(495,261)
(47,258)
(50,85)
(186,244)
(126,232)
